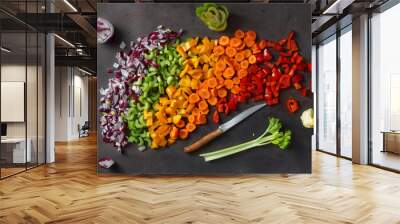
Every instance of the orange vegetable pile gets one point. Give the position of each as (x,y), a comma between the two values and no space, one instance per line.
(212,71)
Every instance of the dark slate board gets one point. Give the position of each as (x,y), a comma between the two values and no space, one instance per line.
(271,21)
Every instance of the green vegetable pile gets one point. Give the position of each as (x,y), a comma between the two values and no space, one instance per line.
(137,125)
(152,86)
(273,135)
(213,15)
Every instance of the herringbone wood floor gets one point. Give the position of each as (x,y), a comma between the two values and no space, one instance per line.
(69,191)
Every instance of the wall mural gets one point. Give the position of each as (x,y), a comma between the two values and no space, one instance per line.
(204,88)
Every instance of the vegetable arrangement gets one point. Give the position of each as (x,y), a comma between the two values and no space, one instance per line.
(272,135)
(162,90)
(214,16)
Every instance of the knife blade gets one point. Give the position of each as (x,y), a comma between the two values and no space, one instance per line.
(223,128)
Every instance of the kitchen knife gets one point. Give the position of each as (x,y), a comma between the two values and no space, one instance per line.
(223,128)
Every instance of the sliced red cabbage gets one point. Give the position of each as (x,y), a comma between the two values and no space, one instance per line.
(130,66)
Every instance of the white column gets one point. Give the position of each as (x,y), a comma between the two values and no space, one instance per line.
(360,90)
(50,93)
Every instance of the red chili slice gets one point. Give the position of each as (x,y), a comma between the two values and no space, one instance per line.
(216,117)
(292,105)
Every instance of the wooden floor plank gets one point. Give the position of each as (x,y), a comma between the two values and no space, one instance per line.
(70,191)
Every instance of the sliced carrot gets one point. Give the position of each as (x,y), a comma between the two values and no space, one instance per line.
(190,127)
(213,100)
(236,65)
(192,118)
(230,52)
(201,119)
(183,134)
(180,124)
(236,80)
(220,66)
(194,98)
(205,112)
(244,64)
(235,42)
(255,49)
(229,73)
(235,89)
(252,59)
(262,44)
(249,42)
(212,82)
(241,47)
(174,133)
(239,56)
(196,111)
(228,83)
(189,108)
(242,73)
(251,34)
(228,61)
(213,91)
(239,33)
(247,53)
(222,93)
(219,50)
(224,40)
(203,105)
(220,81)
(204,93)
(203,85)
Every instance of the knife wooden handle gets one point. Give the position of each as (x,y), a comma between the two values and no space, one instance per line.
(203,140)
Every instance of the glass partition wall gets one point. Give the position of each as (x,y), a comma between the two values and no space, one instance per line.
(385,89)
(22,77)
(334,94)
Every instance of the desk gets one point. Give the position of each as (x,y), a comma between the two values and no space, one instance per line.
(391,141)
(16,153)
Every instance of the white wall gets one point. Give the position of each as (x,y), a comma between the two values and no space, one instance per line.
(70,83)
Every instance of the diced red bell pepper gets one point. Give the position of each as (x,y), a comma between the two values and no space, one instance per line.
(285,54)
(242,99)
(284,82)
(253,69)
(290,35)
(292,45)
(232,105)
(301,67)
(267,55)
(259,58)
(282,41)
(220,107)
(227,110)
(257,98)
(299,59)
(266,71)
(216,117)
(285,68)
(292,105)
(297,85)
(275,90)
(292,70)
(303,91)
(309,65)
(278,47)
